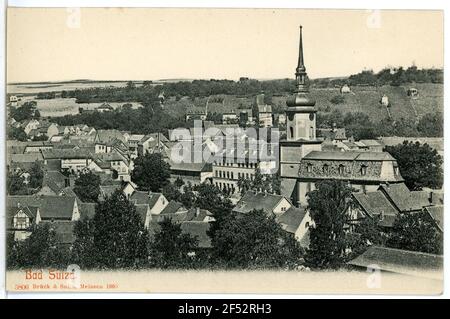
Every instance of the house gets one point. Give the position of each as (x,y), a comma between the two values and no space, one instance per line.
(263,112)
(151,143)
(54,182)
(112,163)
(133,142)
(296,221)
(30,125)
(197,214)
(269,203)
(72,160)
(144,213)
(403,262)
(23,162)
(345,89)
(157,202)
(105,107)
(173,210)
(13,100)
(37,146)
(19,221)
(372,145)
(386,203)
(196,173)
(195,113)
(108,190)
(229,117)
(332,134)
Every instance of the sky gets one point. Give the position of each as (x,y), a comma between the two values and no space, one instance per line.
(150,44)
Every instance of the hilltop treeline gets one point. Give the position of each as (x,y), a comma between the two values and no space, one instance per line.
(387,76)
(247,87)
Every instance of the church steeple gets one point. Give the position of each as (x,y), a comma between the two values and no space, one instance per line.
(300,98)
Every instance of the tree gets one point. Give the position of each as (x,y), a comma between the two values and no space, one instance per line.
(151,172)
(42,137)
(171,192)
(327,206)
(83,252)
(36,175)
(432,125)
(255,240)
(187,197)
(171,248)
(119,237)
(39,250)
(17,133)
(25,112)
(15,185)
(417,232)
(268,183)
(87,187)
(419,164)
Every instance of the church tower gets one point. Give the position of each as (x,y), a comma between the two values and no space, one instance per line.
(300,128)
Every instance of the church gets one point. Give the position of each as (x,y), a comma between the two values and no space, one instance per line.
(302,161)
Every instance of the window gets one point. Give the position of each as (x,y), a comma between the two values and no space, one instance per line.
(325,168)
(283,209)
(311,132)
(309,168)
(217,173)
(363,169)
(291,131)
(21,221)
(228,174)
(232,175)
(396,171)
(341,169)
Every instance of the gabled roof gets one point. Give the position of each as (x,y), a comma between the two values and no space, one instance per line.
(437,213)
(375,204)
(291,219)
(371,142)
(401,261)
(11,211)
(142,210)
(67,154)
(199,231)
(148,198)
(50,207)
(401,197)
(197,214)
(105,136)
(55,180)
(252,200)
(171,208)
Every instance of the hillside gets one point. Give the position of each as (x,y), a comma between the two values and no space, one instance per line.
(363,99)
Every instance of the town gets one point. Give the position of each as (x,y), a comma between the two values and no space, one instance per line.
(100,186)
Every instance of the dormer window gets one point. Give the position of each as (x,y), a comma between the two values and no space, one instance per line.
(341,169)
(325,168)
(309,168)
(396,170)
(363,170)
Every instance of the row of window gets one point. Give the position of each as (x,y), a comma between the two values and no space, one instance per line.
(243,165)
(230,175)
(341,169)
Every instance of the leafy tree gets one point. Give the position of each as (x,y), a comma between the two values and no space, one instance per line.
(255,240)
(119,237)
(17,133)
(87,187)
(25,112)
(39,250)
(171,192)
(187,197)
(366,233)
(417,232)
(171,248)
(431,125)
(268,183)
(327,237)
(179,182)
(151,172)
(419,164)
(36,175)
(83,252)
(15,184)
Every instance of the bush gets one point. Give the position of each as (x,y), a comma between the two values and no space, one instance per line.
(337,99)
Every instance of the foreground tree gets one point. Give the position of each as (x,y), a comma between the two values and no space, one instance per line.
(417,232)
(255,240)
(151,172)
(83,252)
(15,184)
(171,248)
(119,237)
(87,187)
(39,250)
(327,237)
(419,164)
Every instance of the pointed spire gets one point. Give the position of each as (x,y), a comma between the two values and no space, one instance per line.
(301,63)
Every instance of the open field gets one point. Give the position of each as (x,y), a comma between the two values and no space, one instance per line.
(60,107)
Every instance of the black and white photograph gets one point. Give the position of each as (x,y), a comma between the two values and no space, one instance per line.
(221,150)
